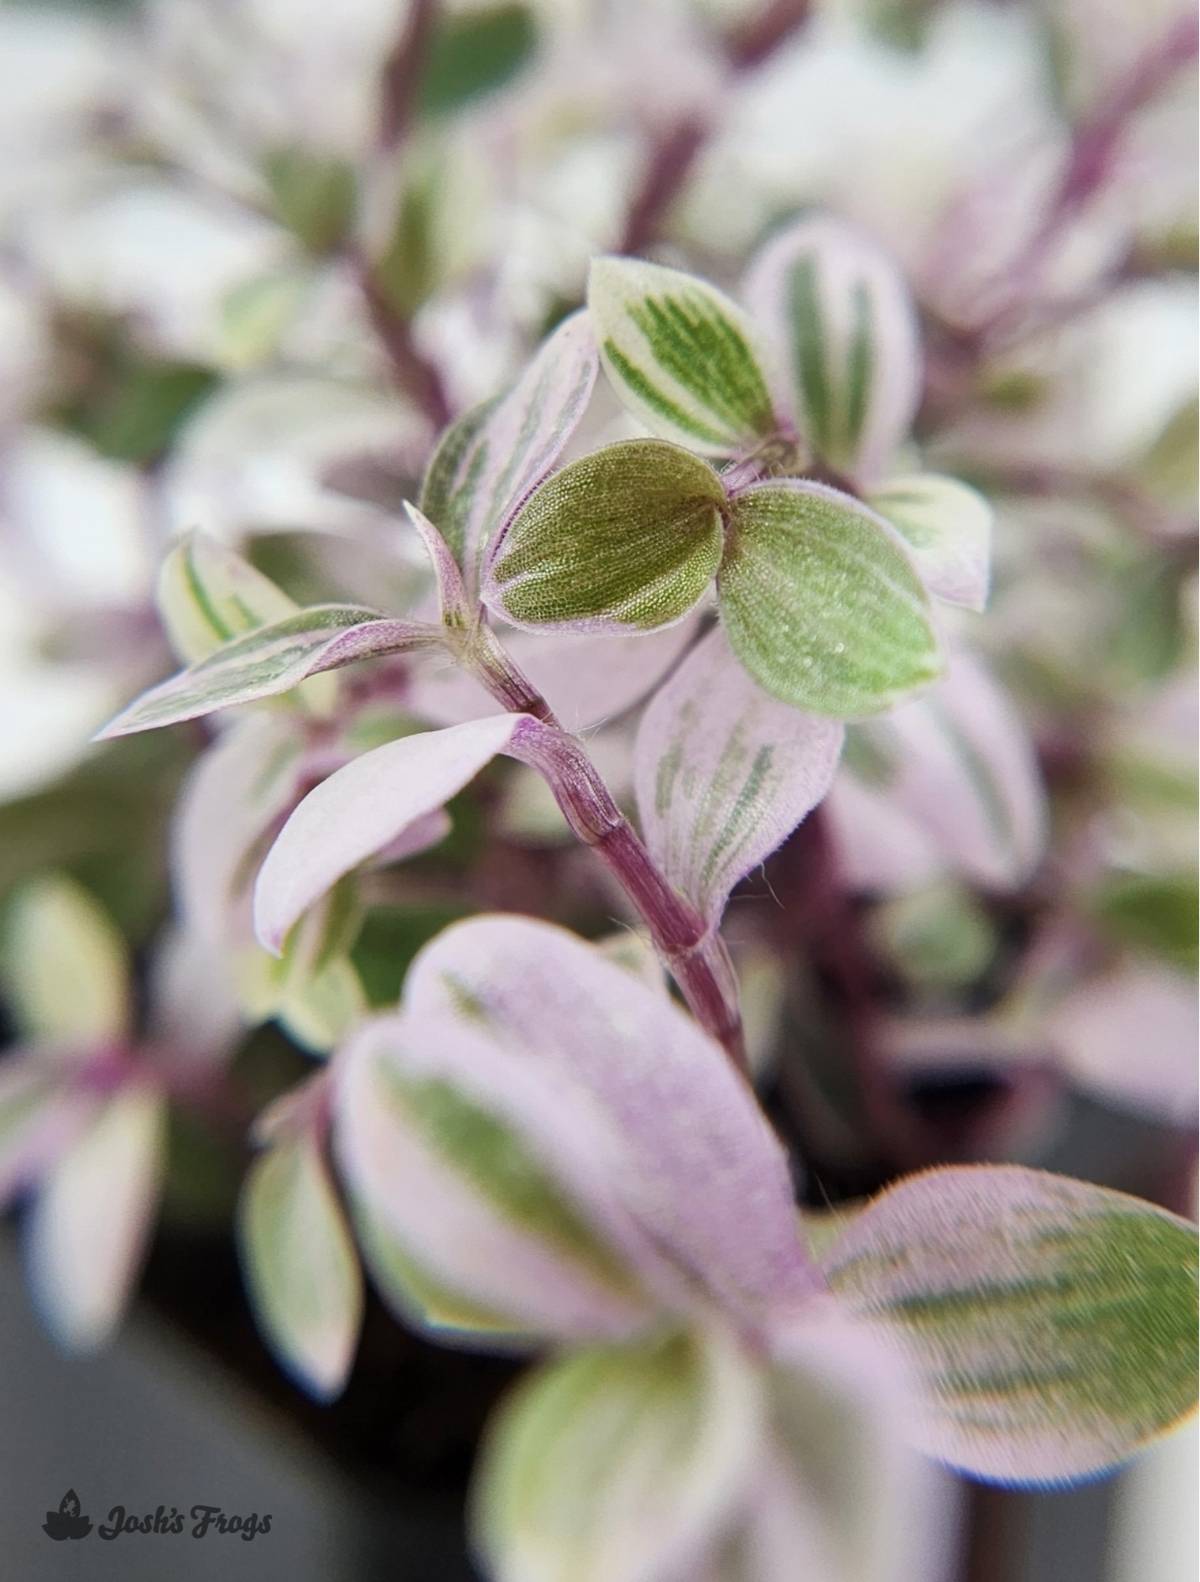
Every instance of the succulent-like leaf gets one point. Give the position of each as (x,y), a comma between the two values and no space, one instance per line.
(629,537)
(617,1464)
(956,770)
(89,1226)
(300,1264)
(208,594)
(839,311)
(493,1184)
(948,527)
(695,1149)
(822,603)
(272,660)
(724,773)
(66,968)
(681,356)
(1053,1322)
(363,808)
(494,456)
(454,606)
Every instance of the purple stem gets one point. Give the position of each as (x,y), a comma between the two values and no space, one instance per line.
(693,953)
(673,153)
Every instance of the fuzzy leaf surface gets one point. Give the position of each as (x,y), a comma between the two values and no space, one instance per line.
(821,602)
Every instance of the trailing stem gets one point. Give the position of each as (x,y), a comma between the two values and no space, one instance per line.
(692,952)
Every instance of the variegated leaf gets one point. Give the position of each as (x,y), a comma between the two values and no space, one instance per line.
(363,808)
(681,356)
(495,455)
(236,791)
(948,527)
(300,1264)
(627,538)
(724,773)
(840,1495)
(483,1181)
(66,967)
(208,594)
(273,660)
(1053,1322)
(30,1090)
(695,1149)
(821,601)
(957,768)
(88,1229)
(618,1464)
(839,312)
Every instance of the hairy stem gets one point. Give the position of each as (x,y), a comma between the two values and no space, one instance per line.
(693,953)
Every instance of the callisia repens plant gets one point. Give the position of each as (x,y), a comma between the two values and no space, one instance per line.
(541,1147)
(695,604)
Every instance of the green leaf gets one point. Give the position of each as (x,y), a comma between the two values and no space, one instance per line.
(301,1268)
(821,602)
(314,195)
(1053,1322)
(939,939)
(617,1464)
(1154,914)
(627,537)
(473,53)
(65,965)
(948,527)
(411,265)
(208,595)
(681,356)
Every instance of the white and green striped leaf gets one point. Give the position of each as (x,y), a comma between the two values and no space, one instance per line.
(626,539)
(272,660)
(839,313)
(208,594)
(485,1188)
(724,773)
(948,527)
(300,1265)
(681,356)
(821,601)
(618,1464)
(492,457)
(66,967)
(1053,1322)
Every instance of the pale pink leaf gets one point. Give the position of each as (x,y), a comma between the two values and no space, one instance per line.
(958,765)
(702,1170)
(363,808)
(500,1187)
(724,773)
(586,679)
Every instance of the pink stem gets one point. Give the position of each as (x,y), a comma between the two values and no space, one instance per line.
(693,953)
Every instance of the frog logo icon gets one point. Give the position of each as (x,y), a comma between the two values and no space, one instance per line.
(66,1521)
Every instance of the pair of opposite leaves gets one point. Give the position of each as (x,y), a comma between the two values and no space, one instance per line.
(824,598)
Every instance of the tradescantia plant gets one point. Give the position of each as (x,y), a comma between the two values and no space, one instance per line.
(541,1147)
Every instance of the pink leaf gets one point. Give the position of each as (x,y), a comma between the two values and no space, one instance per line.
(724,773)
(702,1171)
(365,807)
